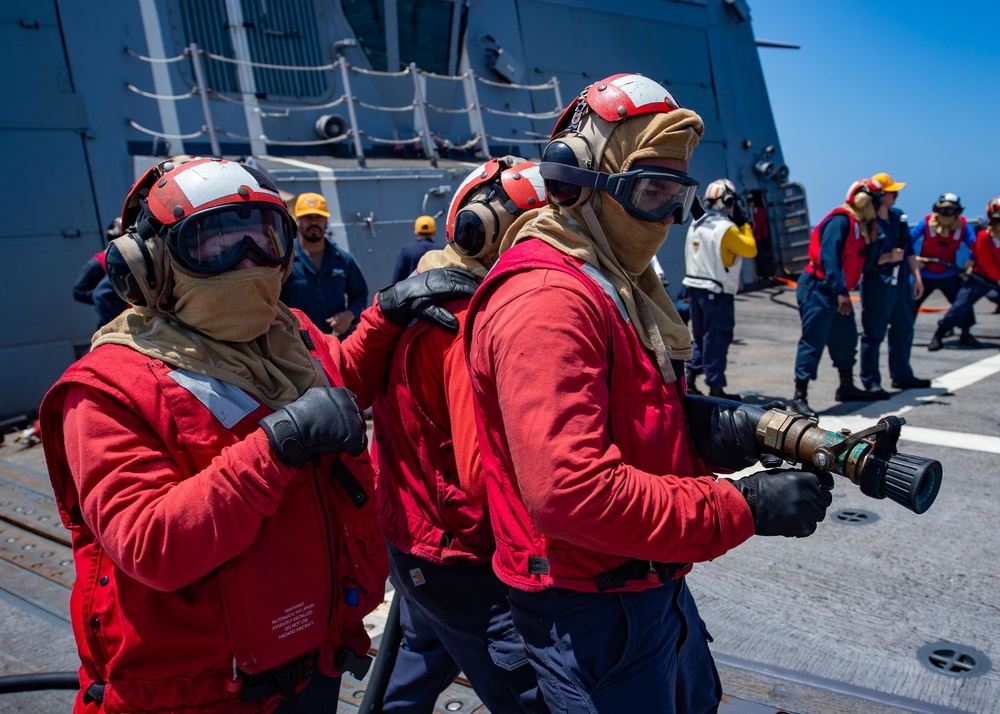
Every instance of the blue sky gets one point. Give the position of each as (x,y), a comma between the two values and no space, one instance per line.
(910,88)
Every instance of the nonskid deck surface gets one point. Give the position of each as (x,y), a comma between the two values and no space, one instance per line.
(828,624)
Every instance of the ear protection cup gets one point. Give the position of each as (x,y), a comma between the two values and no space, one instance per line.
(489,200)
(862,193)
(570,150)
(479,224)
(477,227)
(133,270)
(861,200)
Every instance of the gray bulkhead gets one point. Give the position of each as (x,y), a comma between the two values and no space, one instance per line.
(98,92)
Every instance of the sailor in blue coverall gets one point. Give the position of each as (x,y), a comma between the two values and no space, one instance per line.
(889,285)
(325,282)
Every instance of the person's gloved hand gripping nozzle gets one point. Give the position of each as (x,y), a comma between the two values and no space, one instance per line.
(783,501)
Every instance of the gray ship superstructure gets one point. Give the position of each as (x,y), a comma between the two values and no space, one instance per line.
(381,105)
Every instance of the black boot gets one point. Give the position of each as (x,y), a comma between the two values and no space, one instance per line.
(847,392)
(935,344)
(690,377)
(799,403)
(911,383)
(719,394)
(967,340)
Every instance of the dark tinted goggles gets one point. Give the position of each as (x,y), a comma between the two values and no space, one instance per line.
(947,210)
(653,194)
(219,239)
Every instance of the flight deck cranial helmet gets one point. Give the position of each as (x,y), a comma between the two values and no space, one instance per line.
(993,210)
(949,204)
(865,192)
(487,202)
(208,214)
(721,193)
(571,161)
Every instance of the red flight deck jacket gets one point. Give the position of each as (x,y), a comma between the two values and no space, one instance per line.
(196,550)
(585,449)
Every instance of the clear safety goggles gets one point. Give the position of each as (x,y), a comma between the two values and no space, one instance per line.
(649,193)
(219,239)
(653,193)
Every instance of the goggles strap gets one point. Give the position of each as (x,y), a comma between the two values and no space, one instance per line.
(588,179)
(573,175)
(612,184)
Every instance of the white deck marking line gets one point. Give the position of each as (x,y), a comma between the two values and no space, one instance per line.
(952,381)
(969,374)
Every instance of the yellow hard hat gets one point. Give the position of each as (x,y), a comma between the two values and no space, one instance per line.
(425,224)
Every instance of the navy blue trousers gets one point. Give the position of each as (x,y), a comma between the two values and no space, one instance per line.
(822,328)
(320,696)
(886,309)
(604,653)
(950,287)
(424,668)
(713,318)
(457,616)
(961,313)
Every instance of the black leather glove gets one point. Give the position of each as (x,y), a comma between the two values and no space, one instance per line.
(731,442)
(324,420)
(724,432)
(786,502)
(740,214)
(419,296)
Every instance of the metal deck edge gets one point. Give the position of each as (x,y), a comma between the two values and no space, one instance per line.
(793,677)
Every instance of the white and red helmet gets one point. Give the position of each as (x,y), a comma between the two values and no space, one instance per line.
(487,202)
(870,186)
(621,96)
(993,209)
(176,189)
(212,215)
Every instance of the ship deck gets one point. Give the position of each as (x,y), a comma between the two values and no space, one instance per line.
(859,617)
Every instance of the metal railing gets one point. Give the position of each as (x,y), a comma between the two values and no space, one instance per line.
(429,143)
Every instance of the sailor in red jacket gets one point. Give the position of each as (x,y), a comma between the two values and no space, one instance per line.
(453,612)
(598,499)
(837,251)
(981,277)
(211,465)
